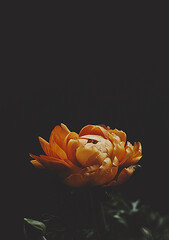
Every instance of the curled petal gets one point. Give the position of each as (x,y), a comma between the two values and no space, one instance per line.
(137,154)
(71,150)
(115,139)
(119,133)
(133,161)
(133,154)
(94,175)
(85,130)
(93,129)
(128,154)
(71,135)
(123,176)
(105,173)
(137,149)
(119,151)
(58,135)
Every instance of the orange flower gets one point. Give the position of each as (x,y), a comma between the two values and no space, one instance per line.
(97,155)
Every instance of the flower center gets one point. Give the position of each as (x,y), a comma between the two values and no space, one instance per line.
(92,141)
(93,149)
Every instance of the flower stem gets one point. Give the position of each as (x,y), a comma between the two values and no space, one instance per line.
(98,216)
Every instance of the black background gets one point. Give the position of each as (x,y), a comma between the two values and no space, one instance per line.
(106,70)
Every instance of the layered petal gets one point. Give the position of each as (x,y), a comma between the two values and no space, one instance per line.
(93,130)
(132,154)
(96,156)
(71,135)
(93,149)
(119,151)
(119,133)
(105,173)
(56,150)
(71,150)
(94,175)
(56,165)
(44,160)
(122,177)
(58,135)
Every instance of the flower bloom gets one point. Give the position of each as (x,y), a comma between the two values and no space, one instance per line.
(97,155)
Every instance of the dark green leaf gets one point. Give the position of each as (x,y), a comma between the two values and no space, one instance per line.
(34,229)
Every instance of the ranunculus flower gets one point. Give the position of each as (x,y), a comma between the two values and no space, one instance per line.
(97,155)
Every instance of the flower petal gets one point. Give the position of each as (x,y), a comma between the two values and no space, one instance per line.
(45,145)
(67,162)
(65,128)
(37,164)
(119,151)
(71,150)
(43,159)
(62,168)
(56,150)
(76,180)
(93,129)
(123,176)
(88,156)
(119,133)
(115,139)
(85,130)
(133,161)
(137,149)
(58,135)
(105,173)
(71,135)
(128,155)
(94,175)
(34,156)
(133,154)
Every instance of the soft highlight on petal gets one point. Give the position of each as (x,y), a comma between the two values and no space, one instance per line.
(71,150)
(93,130)
(57,150)
(58,135)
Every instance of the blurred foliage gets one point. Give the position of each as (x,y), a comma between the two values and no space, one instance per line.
(34,229)
(119,219)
